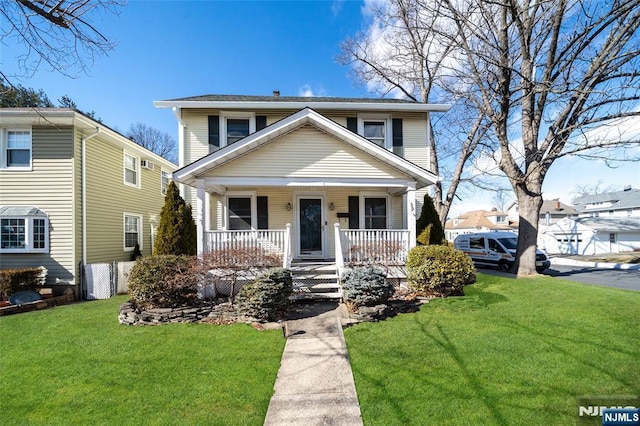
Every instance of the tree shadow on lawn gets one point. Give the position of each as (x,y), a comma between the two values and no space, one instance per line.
(549,338)
(440,339)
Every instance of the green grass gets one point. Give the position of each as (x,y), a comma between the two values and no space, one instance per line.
(77,365)
(510,352)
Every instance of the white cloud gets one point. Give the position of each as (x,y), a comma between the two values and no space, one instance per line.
(308,92)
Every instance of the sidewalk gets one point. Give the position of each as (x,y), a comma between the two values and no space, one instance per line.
(315,384)
(585,262)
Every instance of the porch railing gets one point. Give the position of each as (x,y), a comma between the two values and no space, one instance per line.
(270,242)
(360,246)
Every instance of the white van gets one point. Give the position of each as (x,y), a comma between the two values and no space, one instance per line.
(495,249)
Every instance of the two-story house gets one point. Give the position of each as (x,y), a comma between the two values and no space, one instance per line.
(319,178)
(478,221)
(74,192)
(607,223)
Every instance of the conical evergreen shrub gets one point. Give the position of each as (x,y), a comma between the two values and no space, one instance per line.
(428,226)
(177,230)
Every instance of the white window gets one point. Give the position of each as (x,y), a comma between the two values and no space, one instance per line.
(241,210)
(23,230)
(132,227)
(235,126)
(375,211)
(131,174)
(376,128)
(164,181)
(16,149)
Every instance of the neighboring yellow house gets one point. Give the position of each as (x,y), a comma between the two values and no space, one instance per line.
(320,178)
(74,192)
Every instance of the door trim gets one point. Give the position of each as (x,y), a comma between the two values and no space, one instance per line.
(322,196)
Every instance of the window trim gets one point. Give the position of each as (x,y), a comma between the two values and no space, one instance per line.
(386,119)
(29,237)
(124,231)
(235,115)
(4,147)
(240,194)
(163,191)
(363,197)
(136,161)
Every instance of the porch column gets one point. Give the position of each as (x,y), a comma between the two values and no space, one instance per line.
(411,214)
(200,216)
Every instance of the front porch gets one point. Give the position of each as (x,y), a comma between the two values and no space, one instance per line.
(317,278)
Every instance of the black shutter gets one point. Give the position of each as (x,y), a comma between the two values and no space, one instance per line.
(261,122)
(263,212)
(214,130)
(397,131)
(354,212)
(352,124)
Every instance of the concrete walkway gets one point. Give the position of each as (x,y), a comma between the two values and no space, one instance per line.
(315,384)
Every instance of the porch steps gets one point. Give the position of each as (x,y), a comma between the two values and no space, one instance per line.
(316,280)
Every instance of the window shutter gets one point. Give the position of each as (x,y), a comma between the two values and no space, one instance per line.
(354,212)
(214,130)
(261,122)
(263,212)
(352,124)
(397,131)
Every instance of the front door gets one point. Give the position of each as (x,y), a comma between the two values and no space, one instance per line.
(310,227)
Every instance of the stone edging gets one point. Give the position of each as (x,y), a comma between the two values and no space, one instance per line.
(38,304)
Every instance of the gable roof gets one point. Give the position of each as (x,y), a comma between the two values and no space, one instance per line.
(601,224)
(299,102)
(254,141)
(628,198)
(477,219)
(556,207)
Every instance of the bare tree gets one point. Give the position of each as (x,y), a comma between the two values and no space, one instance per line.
(543,79)
(599,187)
(555,78)
(59,33)
(154,140)
(501,199)
(404,53)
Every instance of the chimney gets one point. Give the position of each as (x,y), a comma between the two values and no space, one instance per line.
(276,93)
(557,204)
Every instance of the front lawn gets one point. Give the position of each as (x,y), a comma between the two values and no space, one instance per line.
(509,352)
(76,364)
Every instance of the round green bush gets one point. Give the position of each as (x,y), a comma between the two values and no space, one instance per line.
(366,286)
(267,298)
(163,281)
(439,271)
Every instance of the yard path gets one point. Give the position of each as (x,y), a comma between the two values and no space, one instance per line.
(315,383)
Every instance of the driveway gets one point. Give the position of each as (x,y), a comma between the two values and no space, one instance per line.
(627,279)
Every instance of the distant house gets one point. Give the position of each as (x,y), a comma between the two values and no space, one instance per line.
(625,203)
(592,235)
(479,221)
(552,211)
(74,192)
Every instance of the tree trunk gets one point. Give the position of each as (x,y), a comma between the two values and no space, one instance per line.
(529,203)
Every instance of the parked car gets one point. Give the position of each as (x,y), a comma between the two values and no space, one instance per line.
(496,249)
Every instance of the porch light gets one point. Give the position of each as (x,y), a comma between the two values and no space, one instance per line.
(288,207)
(332,207)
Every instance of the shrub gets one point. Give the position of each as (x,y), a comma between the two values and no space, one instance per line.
(439,270)
(177,230)
(163,281)
(267,298)
(428,225)
(15,280)
(366,286)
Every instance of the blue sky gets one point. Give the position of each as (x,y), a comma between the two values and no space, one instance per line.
(172,49)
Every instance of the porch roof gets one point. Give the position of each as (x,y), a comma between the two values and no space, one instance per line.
(196,170)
